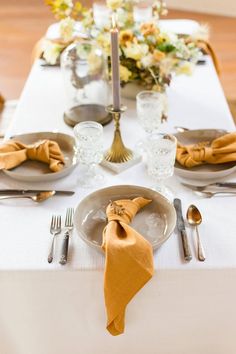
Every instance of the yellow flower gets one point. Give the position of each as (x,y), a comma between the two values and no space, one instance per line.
(126,36)
(185,68)
(124,73)
(149,28)
(158,55)
(114,4)
(136,51)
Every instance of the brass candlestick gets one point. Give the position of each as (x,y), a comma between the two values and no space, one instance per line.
(117,153)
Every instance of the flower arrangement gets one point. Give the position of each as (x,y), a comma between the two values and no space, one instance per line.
(148,55)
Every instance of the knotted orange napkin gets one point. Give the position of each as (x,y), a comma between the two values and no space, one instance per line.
(220,150)
(13,153)
(129,260)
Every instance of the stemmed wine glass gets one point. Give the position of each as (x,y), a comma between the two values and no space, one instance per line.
(149,111)
(161,152)
(89,149)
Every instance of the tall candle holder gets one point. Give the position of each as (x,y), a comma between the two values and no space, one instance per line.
(117,153)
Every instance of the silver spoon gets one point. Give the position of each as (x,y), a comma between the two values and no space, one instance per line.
(194,218)
(39,197)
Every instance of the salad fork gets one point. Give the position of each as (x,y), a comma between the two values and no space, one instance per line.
(55,229)
(69,227)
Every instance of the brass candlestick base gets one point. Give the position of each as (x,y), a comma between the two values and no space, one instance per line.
(117,153)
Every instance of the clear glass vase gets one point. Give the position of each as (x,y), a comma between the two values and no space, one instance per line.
(85,73)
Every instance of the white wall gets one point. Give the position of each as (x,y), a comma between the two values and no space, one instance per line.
(221,7)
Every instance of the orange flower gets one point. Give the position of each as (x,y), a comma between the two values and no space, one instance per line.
(158,55)
(149,28)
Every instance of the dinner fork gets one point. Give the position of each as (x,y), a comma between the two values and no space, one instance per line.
(55,229)
(209,194)
(69,227)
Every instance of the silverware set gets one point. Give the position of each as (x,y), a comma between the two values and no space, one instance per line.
(36,195)
(213,189)
(56,229)
(194,219)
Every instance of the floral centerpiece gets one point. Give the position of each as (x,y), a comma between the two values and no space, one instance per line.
(148,55)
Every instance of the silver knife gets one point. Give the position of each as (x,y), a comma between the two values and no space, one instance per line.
(217,184)
(28,191)
(181,228)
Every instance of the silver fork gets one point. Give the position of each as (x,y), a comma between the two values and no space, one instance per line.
(55,229)
(69,227)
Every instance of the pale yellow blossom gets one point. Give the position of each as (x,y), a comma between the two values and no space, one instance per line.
(185,68)
(124,73)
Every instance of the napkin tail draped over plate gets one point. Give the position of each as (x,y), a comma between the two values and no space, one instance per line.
(220,150)
(13,153)
(129,260)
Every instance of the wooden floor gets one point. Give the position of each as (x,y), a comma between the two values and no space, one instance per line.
(23,22)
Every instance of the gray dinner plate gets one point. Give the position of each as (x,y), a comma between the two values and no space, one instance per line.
(35,171)
(156,221)
(206,171)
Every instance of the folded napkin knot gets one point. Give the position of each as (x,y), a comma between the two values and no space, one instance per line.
(13,153)
(129,260)
(122,211)
(220,150)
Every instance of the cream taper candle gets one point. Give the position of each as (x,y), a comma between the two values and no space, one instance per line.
(115,65)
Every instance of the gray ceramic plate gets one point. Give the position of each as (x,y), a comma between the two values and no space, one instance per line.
(206,171)
(34,171)
(155,221)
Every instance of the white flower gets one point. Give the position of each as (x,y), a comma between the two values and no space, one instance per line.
(136,51)
(169,37)
(147,60)
(201,33)
(67,28)
(51,52)
(114,4)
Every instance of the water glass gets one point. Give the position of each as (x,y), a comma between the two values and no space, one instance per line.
(101,15)
(142,12)
(89,150)
(161,152)
(149,110)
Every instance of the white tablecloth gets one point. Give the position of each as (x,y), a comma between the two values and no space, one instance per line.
(185,308)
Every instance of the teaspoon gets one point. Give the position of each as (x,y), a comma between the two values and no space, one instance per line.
(194,218)
(39,197)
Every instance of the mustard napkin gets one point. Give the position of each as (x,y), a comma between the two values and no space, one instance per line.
(220,150)
(129,260)
(13,153)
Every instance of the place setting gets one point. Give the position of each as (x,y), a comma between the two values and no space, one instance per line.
(136,193)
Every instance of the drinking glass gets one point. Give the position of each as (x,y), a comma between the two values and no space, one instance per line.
(149,110)
(101,15)
(142,11)
(161,152)
(89,150)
